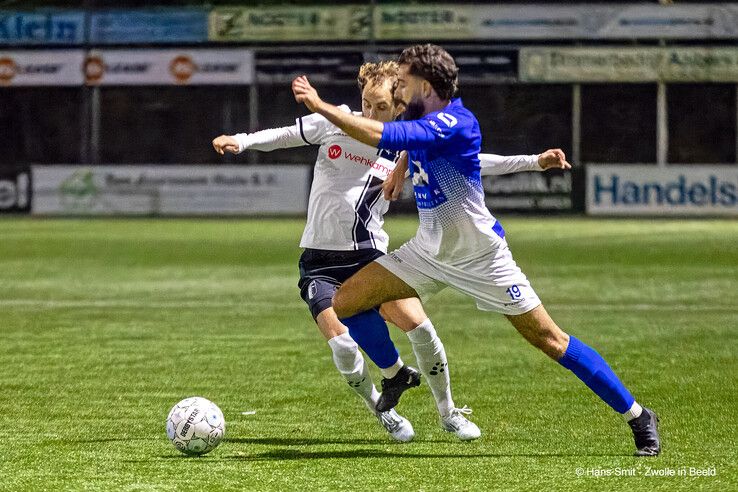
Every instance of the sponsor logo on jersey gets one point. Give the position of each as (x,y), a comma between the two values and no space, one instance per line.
(335,151)
(420,177)
(427,194)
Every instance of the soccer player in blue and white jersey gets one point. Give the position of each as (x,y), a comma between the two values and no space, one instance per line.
(459,243)
(344,232)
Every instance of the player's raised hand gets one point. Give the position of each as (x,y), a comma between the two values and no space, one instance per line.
(225,143)
(392,186)
(553,159)
(305,93)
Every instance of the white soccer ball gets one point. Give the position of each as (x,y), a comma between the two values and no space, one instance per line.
(195,426)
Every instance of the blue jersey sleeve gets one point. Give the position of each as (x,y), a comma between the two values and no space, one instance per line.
(434,129)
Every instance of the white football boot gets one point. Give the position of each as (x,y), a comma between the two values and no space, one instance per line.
(398,426)
(457,423)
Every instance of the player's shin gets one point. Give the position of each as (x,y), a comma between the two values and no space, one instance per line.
(432,362)
(591,368)
(371,333)
(352,366)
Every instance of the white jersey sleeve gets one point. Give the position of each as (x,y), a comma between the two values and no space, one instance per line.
(315,128)
(493,164)
(271,139)
(312,129)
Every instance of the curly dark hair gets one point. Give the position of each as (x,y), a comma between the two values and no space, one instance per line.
(435,65)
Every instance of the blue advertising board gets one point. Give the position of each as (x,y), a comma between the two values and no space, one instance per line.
(149,26)
(42,27)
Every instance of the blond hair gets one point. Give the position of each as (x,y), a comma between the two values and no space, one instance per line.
(377,73)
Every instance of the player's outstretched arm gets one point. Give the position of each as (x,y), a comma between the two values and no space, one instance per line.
(364,130)
(264,140)
(493,164)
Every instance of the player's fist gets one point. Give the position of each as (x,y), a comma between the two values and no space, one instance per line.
(226,143)
(392,186)
(553,159)
(305,93)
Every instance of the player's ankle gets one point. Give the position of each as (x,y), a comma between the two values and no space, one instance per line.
(391,371)
(633,412)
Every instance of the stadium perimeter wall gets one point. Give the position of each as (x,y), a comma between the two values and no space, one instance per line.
(648,89)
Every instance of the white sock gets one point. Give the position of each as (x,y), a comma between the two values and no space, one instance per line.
(432,362)
(352,366)
(391,371)
(634,412)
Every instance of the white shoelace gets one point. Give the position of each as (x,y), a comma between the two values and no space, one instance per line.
(464,410)
(457,418)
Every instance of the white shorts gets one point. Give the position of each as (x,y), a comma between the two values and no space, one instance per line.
(493,278)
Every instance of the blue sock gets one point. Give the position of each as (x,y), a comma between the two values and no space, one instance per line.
(370,332)
(591,368)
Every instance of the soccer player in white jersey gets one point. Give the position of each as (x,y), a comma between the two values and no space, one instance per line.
(459,243)
(344,232)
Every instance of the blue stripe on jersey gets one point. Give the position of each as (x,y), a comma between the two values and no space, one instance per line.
(497,228)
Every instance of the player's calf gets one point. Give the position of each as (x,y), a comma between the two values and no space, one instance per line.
(537,327)
(592,369)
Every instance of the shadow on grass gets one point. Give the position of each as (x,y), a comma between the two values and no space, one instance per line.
(113,439)
(298,455)
(288,454)
(312,441)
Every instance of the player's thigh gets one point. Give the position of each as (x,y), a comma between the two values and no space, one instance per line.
(540,330)
(369,287)
(329,324)
(406,314)
(494,281)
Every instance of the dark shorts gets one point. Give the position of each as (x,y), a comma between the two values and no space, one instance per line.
(322,272)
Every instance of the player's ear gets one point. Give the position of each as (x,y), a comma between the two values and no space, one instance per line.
(427,89)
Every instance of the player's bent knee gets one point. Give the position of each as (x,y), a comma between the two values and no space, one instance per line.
(329,325)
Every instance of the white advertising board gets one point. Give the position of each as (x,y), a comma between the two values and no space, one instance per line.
(169,190)
(651,190)
(41,67)
(171,66)
(398,21)
(629,64)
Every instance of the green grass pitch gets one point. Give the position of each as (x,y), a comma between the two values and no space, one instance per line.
(107,323)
